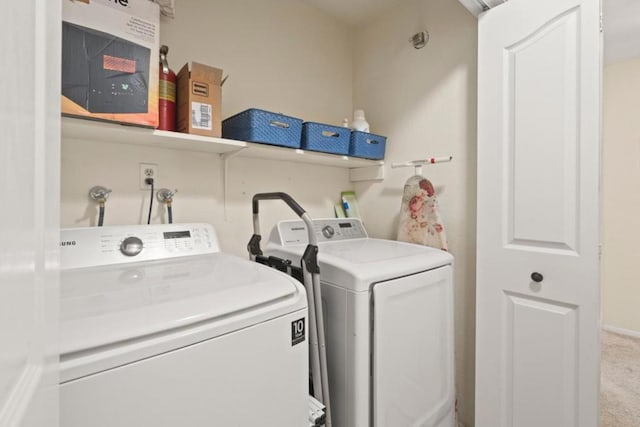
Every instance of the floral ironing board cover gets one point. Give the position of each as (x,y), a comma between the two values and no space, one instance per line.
(420,220)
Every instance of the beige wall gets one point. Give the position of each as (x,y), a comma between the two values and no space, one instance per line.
(281,55)
(198,177)
(424,101)
(621,198)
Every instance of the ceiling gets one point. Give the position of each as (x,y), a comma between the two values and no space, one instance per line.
(621,20)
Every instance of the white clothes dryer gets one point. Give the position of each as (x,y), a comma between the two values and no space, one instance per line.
(388,321)
(161,329)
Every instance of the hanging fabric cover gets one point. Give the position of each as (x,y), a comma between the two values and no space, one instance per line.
(420,220)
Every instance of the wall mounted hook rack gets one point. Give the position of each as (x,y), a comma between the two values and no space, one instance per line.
(417,164)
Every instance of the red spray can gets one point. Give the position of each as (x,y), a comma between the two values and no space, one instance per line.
(167,93)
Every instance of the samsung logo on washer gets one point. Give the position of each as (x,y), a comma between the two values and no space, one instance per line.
(68,243)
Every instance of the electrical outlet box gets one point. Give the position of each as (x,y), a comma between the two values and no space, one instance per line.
(148,170)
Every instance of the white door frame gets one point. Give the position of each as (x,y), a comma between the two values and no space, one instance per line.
(29,219)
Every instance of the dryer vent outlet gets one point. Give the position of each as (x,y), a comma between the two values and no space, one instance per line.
(148,170)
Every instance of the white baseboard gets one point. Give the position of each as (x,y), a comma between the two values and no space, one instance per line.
(621,331)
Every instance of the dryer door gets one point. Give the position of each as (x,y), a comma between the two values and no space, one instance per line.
(413,350)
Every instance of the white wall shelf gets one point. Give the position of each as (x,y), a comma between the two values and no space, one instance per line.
(88,130)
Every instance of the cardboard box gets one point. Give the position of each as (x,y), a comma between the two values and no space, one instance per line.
(199,100)
(110,60)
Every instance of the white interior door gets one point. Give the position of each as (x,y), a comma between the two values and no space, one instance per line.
(29,185)
(538,212)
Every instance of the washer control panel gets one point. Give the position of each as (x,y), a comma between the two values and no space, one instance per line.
(326,230)
(97,246)
(131,246)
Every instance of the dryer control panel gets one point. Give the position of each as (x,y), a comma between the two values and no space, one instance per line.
(97,246)
(326,230)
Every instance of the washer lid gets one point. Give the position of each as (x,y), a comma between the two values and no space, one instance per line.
(107,306)
(357,263)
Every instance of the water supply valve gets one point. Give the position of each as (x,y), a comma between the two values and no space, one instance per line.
(165,196)
(100,194)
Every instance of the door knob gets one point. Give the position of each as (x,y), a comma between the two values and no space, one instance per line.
(537,277)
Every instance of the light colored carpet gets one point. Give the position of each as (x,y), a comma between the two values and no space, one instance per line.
(620,381)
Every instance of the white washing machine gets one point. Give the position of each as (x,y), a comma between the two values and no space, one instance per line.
(161,329)
(389,324)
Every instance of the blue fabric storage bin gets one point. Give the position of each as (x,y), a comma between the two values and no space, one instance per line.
(325,138)
(254,125)
(367,145)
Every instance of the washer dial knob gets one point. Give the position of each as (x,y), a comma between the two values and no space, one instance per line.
(328,231)
(131,246)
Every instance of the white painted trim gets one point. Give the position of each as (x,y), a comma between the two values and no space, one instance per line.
(475,7)
(20,400)
(621,331)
